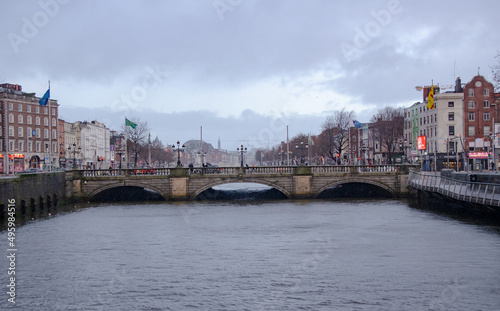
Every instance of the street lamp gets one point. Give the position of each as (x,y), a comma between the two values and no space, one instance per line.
(120,152)
(242,150)
(301,148)
(75,151)
(62,152)
(178,149)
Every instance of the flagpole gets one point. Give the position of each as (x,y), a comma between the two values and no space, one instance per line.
(287,148)
(309,150)
(50,132)
(149,145)
(494,168)
(126,144)
(349,140)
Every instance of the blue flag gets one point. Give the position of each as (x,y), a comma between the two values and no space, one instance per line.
(357,124)
(45,99)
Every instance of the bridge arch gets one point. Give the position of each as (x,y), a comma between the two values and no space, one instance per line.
(355,180)
(236,181)
(127,184)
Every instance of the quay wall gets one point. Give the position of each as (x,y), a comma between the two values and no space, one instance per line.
(32,193)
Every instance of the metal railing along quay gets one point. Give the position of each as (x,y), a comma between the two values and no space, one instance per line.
(474,192)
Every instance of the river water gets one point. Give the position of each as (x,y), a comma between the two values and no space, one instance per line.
(282,255)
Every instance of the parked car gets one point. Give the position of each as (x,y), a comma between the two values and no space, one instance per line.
(30,171)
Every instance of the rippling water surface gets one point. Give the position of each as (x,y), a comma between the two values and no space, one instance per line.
(285,255)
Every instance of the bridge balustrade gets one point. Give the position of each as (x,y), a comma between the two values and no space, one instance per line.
(484,193)
(329,169)
(258,170)
(122,172)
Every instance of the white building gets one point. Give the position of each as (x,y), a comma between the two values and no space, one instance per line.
(72,145)
(441,126)
(94,138)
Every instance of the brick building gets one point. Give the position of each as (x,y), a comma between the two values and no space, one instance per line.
(480,115)
(28,131)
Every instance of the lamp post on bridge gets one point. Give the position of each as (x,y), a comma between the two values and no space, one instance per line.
(178,149)
(120,152)
(242,150)
(75,151)
(301,148)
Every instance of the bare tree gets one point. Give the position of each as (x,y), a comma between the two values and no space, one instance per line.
(159,153)
(335,135)
(137,138)
(388,129)
(495,72)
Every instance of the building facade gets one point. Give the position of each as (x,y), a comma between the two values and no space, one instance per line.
(28,131)
(479,122)
(94,139)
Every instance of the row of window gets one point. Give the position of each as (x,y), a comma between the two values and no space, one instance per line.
(472,104)
(29,120)
(486,92)
(430,132)
(472,116)
(20,146)
(30,133)
(28,108)
(471,130)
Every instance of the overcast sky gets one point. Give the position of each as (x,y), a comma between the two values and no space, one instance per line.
(242,69)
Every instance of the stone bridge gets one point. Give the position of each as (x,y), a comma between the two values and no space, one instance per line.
(295,182)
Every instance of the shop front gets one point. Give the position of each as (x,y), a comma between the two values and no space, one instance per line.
(479,161)
(16,162)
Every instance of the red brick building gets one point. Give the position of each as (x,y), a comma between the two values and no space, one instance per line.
(479,121)
(28,131)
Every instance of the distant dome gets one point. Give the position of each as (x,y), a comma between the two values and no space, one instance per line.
(196,145)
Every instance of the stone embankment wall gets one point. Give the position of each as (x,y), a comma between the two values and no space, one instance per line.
(32,192)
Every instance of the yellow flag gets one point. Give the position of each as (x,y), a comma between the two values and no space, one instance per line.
(430,99)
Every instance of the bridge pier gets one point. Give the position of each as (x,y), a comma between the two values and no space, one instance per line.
(179,188)
(302,187)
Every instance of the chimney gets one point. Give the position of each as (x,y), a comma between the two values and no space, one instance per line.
(458,86)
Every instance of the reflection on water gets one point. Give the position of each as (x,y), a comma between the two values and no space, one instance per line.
(282,255)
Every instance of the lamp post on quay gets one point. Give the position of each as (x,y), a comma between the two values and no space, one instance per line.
(178,149)
(242,150)
(75,151)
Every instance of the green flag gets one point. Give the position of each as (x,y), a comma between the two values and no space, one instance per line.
(130,123)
